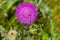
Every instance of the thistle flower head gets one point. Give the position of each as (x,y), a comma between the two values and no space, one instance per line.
(26,13)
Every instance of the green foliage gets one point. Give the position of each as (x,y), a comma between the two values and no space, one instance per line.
(46,27)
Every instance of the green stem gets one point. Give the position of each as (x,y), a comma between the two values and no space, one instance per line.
(22,35)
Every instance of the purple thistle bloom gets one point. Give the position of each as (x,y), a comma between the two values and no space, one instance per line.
(26,13)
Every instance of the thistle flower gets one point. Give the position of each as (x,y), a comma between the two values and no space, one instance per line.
(26,13)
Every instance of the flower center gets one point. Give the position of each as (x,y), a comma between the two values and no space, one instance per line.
(12,33)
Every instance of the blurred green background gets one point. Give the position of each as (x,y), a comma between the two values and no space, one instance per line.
(47,26)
